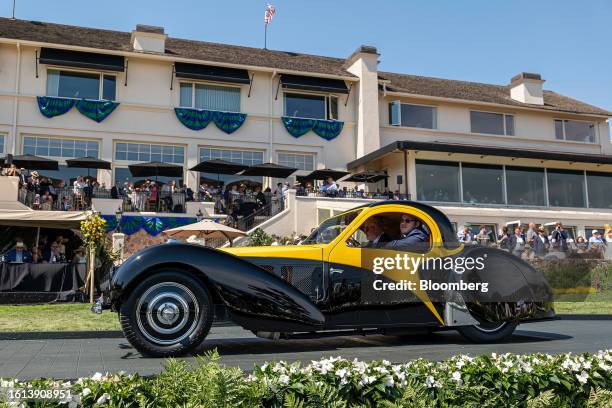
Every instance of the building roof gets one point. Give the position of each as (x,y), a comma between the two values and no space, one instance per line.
(94,38)
(474,91)
(175,47)
(481,151)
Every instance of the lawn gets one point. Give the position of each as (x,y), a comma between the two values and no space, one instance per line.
(77,317)
(55,317)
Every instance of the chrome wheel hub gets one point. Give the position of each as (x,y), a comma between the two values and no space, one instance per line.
(167,313)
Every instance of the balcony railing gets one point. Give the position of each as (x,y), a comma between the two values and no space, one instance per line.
(62,199)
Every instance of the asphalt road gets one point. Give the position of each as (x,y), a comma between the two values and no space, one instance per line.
(70,358)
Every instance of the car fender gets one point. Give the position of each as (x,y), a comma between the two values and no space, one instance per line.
(516,290)
(250,293)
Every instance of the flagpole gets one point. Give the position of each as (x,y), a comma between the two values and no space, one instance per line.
(266,36)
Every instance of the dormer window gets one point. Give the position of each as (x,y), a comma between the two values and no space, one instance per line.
(575,130)
(81,85)
(210,97)
(311,106)
(492,123)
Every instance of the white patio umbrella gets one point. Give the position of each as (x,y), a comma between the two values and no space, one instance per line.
(205,229)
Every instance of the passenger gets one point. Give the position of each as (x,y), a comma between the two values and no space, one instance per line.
(373,229)
(412,235)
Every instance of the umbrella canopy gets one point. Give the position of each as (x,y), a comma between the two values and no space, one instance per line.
(31,162)
(218,166)
(324,174)
(269,170)
(154,169)
(205,229)
(368,176)
(88,163)
(210,181)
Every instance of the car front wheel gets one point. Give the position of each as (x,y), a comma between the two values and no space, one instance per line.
(167,315)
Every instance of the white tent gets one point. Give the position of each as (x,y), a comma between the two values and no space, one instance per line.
(16,214)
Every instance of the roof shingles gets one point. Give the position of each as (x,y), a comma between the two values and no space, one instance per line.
(282,60)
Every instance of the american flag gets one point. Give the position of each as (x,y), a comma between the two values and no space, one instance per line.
(270,12)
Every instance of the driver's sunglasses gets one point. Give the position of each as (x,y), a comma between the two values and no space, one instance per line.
(407,220)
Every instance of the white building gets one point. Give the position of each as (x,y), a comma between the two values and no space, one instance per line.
(483,153)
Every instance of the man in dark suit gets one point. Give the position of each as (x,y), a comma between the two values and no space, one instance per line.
(19,254)
(373,228)
(413,238)
(540,243)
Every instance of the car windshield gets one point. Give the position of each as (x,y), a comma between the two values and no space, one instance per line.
(331,228)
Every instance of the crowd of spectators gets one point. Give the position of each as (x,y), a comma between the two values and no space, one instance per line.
(45,252)
(535,242)
(43,193)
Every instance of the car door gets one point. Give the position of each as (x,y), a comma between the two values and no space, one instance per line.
(352,294)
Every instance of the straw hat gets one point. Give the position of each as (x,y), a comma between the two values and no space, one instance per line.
(35,174)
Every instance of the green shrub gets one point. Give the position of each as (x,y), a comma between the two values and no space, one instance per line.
(530,381)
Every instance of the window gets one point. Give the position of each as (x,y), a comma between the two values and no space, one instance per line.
(525,186)
(1,144)
(210,97)
(600,189)
(402,114)
(574,130)
(482,183)
(437,181)
(297,160)
(311,106)
(246,157)
(141,152)
(58,147)
(492,123)
(566,188)
(86,85)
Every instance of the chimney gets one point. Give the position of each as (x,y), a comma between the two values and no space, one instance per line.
(147,38)
(363,63)
(527,88)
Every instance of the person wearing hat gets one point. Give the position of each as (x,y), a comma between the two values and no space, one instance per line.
(595,241)
(19,254)
(540,243)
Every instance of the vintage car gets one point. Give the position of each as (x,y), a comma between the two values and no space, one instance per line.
(166,295)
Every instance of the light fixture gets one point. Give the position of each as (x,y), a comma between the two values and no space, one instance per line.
(118,215)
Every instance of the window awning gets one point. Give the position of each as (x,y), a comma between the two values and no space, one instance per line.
(79,59)
(211,73)
(306,83)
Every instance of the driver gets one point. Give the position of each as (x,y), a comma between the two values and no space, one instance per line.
(373,229)
(412,234)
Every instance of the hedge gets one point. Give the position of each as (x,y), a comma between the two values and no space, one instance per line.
(506,380)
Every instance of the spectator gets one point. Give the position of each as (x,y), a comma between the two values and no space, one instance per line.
(540,243)
(581,244)
(503,238)
(483,238)
(12,171)
(465,236)
(329,188)
(61,241)
(596,242)
(516,243)
(65,204)
(46,202)
(19,254)
(52,255)
(36,256)
(609,237)
(114,192)
(79,256)
(260,198)
(558,240)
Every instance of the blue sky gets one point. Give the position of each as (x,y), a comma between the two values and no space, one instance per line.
(568,42)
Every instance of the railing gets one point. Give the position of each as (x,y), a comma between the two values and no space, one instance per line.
(142,201)
(350,194)
(62,199)
(248,221)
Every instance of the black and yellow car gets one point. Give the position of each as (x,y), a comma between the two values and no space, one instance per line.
(166,294)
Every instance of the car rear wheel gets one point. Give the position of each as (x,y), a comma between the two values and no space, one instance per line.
(487,332)
(167,315)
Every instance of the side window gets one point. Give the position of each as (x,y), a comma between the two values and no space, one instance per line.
(395,231)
